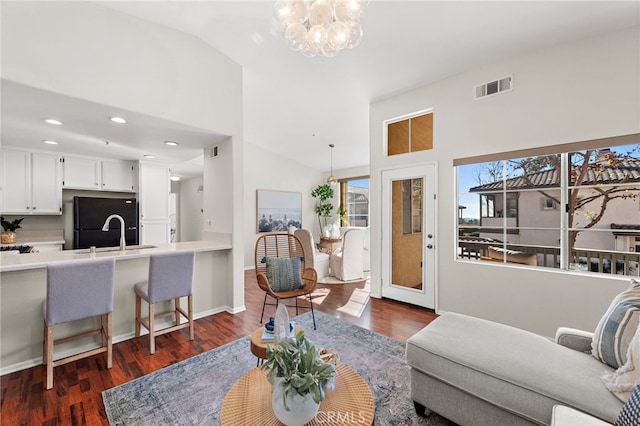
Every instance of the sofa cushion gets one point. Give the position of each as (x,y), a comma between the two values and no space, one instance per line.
(617,326)
(519,371)
(284,274)
(630,414)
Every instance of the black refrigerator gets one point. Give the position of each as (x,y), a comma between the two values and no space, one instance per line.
(89,215)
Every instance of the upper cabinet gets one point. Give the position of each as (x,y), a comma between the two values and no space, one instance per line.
(31,183)
(99,175)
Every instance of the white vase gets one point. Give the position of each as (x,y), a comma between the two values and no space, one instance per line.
(302,409)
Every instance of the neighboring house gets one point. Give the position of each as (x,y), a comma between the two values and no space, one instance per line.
(531,213)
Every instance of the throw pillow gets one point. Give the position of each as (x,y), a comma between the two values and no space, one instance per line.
(622,381)
(284,274)
(617,327)
(630,414)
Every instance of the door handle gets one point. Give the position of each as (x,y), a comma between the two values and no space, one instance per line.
(429,246)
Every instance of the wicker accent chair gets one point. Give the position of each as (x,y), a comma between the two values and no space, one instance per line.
(283,245)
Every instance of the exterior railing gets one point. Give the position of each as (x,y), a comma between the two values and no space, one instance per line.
(602,261)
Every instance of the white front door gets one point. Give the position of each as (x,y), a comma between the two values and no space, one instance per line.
(408,235)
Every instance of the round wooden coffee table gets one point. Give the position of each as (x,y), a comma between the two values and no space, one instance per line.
(249,401)
(259,348)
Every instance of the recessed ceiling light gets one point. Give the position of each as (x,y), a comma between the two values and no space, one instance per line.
(175,178)
(50,142)
(53,121)
(149,156)
(171,143)
(118,120)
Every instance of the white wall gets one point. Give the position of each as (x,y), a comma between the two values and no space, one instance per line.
(268,170)
(190,209)
(85,50)
(579,91)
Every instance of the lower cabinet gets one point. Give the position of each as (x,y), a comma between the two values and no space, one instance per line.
(154,232)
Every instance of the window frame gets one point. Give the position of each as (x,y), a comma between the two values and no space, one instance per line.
(564,186)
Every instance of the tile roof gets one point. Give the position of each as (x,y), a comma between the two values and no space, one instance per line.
(627,170)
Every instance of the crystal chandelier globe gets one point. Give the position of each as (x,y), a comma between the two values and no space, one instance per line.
(321,27)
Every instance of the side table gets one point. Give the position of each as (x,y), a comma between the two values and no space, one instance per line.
(329,245)
(249,401)
(259,348)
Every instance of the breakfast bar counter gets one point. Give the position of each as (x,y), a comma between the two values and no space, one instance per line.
(23,289)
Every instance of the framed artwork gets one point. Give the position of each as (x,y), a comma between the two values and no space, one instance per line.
(278,210)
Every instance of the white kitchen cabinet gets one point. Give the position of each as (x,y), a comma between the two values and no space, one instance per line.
(153,201)
(154,232)
(32,183)
(98,175)
(118,176)
(81,173)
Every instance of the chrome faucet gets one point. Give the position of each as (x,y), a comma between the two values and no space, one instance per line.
(105,227)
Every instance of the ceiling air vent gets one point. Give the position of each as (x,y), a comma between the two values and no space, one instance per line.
(493,87)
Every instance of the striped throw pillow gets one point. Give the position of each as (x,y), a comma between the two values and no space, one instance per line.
(284,274)
(616,328)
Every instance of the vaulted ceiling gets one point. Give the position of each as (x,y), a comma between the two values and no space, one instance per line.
(296,106)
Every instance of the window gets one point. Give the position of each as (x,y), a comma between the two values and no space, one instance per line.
(354,194)
(514,204)
(410,135)
(412,206)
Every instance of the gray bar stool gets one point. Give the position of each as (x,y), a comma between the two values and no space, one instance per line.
(170,277)
(77,290)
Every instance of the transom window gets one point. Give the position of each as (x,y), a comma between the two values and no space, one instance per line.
(573,207)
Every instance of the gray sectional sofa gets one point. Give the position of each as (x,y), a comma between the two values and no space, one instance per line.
(477,372)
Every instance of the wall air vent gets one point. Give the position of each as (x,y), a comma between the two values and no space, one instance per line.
(493,88)
(213,152)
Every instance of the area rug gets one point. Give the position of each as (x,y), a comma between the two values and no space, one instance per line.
(191,392)
(333,280)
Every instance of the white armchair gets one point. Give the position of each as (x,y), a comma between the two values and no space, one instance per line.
(317,260)
(347,264)
(366,257)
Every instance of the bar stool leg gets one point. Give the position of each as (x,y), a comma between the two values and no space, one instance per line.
(49,355)
(190,303)
(177,310)
(152,337)
(109,340)
(138,313)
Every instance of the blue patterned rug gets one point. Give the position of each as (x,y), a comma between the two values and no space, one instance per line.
(191,392)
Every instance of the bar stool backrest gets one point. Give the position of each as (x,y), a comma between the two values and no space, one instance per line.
(170,275)
(79,289)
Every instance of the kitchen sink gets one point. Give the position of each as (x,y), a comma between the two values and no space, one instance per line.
(108,249)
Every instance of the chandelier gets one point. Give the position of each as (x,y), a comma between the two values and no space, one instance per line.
(321,27)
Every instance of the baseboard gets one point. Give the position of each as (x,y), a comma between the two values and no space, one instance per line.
(116,339)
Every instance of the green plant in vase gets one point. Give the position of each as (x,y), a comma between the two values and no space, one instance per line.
(9,234)
(323,207)
(298,376)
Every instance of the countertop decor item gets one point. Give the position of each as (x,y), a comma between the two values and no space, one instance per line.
(9,234)
(298,377)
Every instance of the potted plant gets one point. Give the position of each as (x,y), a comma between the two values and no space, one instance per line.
(323,207)
(9,234)
(298,376)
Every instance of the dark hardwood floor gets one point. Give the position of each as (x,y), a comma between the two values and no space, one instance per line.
(76,396)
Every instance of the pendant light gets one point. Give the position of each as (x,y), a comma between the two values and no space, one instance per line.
(331,180)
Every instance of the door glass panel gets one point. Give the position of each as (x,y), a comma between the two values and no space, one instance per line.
(406,233)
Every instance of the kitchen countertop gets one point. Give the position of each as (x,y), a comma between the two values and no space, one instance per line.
(27,261)
(37,237)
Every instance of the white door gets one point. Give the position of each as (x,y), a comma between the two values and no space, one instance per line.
(408,235)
